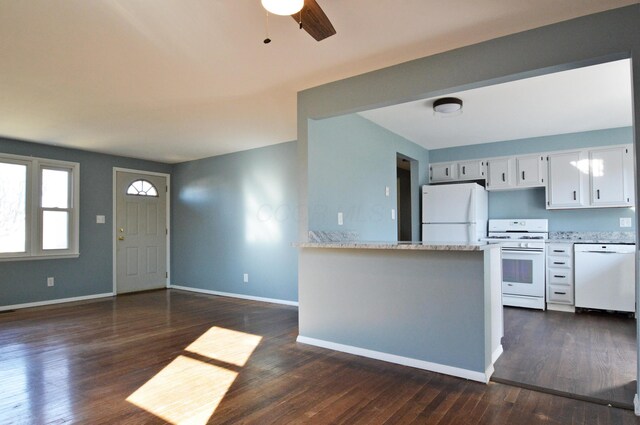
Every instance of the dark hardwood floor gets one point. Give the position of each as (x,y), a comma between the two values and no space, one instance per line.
(178,357)
(590,355)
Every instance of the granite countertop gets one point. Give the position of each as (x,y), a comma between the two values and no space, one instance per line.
(592,237)
(416,246)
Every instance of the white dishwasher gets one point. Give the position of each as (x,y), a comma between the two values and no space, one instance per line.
(605,276)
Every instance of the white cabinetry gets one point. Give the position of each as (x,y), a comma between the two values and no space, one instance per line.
(560,292)
(500,173)
(443,172)
(530,170)
(471,170)
(601,177)
(611,176)
(568,172)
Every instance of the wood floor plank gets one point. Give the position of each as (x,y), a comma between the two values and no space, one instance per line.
(590,356)
(162,357)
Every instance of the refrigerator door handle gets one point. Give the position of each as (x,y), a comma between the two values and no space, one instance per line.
(471,215)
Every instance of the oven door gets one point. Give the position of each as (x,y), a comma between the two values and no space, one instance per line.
(523,272)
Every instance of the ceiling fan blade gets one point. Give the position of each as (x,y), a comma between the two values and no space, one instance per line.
(314,21)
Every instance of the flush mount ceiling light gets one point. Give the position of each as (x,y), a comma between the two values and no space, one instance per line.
(283,7)
(447,105)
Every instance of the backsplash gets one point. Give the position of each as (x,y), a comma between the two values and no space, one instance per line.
(322,236)
(597,237)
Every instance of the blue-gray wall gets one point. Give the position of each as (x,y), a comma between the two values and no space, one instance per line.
(236,214)
(353,161)
(26,281)
(530,203)
(587,139)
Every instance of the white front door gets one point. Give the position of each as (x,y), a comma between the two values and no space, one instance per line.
(141,232)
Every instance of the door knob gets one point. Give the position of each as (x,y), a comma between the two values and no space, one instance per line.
(120,238)
(121,230)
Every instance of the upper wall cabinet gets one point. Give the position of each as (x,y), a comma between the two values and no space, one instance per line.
(443,172)
(601,177)
(584,178)
(500,173)
(567,172)
(459,171)
(531,171)
(471,170)
(611,177)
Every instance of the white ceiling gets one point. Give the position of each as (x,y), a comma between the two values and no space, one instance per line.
(584,99)
(174,80)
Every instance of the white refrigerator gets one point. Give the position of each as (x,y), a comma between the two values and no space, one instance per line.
(454,213)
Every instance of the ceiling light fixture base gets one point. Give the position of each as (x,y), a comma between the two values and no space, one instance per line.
(447,105)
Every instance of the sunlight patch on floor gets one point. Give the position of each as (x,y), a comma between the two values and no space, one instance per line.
(188,390)
(229,346)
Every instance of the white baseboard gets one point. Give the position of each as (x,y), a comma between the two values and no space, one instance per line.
(561,307)
(405,361)
(636,405)
(496,354)
(58,301)
(232,295)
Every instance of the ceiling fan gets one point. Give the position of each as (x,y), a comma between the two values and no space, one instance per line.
(307,13)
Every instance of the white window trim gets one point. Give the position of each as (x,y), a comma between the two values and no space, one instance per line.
(33,237)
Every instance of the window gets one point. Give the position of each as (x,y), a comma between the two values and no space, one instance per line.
(142,188)
(39,208)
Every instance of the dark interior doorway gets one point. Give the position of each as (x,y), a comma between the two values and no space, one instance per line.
(405,166)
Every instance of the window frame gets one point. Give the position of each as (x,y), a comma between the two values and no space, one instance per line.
(34,210)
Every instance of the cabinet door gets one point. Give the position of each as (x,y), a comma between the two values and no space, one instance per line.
(471,170)
(442,172)
(608,176)
(500,173)
(567,172)
(530,171)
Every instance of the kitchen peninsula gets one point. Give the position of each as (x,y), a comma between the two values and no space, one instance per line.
(435,307)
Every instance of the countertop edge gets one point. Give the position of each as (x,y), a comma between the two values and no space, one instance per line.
(392,246)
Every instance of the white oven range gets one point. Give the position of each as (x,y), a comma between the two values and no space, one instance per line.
(522,243)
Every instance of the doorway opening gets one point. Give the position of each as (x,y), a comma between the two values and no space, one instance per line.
(406,178)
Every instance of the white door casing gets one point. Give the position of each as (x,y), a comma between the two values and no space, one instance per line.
(140,233)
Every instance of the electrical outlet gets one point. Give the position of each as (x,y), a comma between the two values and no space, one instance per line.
(100,219)
(386,191)
(50,281)
(625,221)
(340,219)
(245,278)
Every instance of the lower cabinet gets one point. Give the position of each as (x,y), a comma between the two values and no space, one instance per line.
(560,294)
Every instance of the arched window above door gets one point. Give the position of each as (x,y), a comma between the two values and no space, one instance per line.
(142,188)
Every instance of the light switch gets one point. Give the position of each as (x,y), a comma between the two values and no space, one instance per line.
(625,221)
(393,214)
(100,219)
(340,220)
